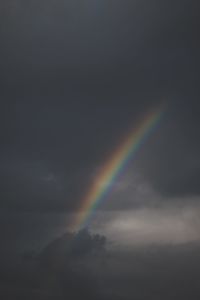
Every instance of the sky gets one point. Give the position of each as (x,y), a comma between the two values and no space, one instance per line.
(75,77)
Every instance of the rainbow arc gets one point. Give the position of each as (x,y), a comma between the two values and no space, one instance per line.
(112,168)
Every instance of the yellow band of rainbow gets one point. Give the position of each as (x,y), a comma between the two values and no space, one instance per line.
(113,167)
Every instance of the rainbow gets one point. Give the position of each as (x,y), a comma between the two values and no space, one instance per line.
(102,185)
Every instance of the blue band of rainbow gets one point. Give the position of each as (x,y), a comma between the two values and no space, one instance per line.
(114,166)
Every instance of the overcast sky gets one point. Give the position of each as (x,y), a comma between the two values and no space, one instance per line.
(75,77)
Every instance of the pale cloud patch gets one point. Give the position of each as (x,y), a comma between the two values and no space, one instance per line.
(144,226)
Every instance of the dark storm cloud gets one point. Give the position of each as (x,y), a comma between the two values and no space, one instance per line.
(56,271)
(75,76)
(152,272)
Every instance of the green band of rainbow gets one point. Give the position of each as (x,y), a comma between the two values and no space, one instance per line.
(114,166)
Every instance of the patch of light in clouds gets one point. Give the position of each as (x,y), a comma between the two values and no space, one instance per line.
(145,226)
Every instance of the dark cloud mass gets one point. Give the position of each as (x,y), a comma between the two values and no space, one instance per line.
(75,77)
(169,272)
